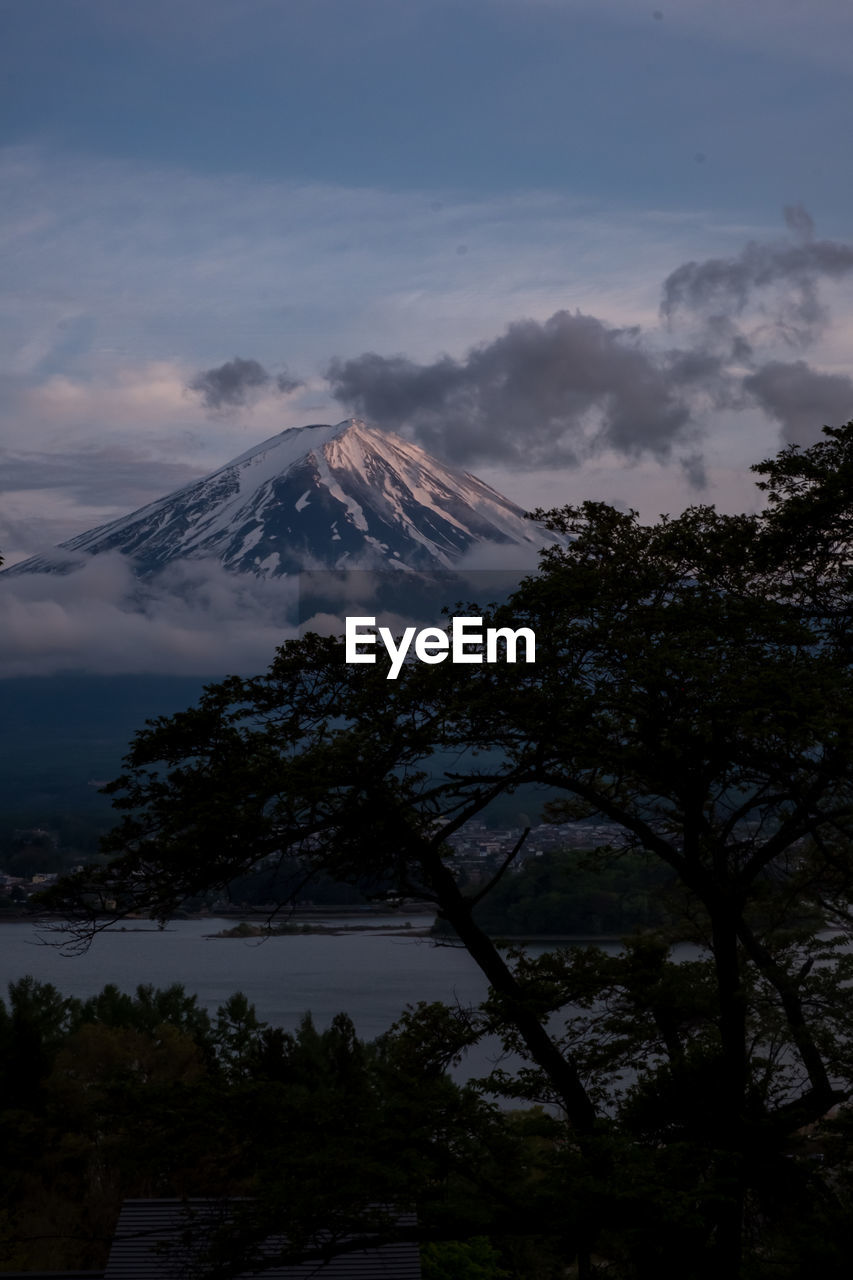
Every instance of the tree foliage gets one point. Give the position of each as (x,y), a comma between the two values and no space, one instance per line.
(576,893)
(693,688)
(145,1095)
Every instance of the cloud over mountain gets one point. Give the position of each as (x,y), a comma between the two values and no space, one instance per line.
(560,391)
(237,381)
(213,576)
(734,347)
(549,392)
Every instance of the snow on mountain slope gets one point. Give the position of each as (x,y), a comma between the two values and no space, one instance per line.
(314,497)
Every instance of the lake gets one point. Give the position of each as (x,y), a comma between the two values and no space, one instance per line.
(372,977)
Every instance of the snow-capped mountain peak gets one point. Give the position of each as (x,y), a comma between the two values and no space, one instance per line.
(322,496)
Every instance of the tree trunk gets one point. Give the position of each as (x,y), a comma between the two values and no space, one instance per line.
(560,1070)
(726,1254)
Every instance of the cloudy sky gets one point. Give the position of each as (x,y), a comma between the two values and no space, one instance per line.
(583,248)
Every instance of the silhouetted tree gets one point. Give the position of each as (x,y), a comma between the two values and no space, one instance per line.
(692,687)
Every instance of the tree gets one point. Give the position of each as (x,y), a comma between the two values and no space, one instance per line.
(94,1092)
(693,688)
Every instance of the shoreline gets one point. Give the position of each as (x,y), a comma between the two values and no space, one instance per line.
(258,930)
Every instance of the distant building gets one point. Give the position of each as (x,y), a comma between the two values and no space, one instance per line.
(166,1240)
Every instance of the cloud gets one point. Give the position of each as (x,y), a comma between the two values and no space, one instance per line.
(801,398)
(557,390)
(231,383)
(93,475)
(721,288)
(195,619)
(237,382)
(585,374)
(79,451)
(571,390)
(567,389)
(165,261)
(799,220)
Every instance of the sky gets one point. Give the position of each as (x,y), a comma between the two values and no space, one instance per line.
(582,248)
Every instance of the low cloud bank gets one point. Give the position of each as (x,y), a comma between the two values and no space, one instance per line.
(195,619)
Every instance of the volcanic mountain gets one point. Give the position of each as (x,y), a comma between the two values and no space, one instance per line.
(313,497)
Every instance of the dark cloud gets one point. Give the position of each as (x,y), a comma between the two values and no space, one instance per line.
(285,383)
(542,392)
(710,381)
(801,398)
(741,349)
(558,391)
(693,466)
(721,288)
(799,220)
(689,367)
(237,382)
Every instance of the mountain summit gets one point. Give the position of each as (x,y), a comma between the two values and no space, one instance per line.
(313,497)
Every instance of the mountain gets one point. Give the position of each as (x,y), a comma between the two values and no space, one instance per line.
(313,497)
